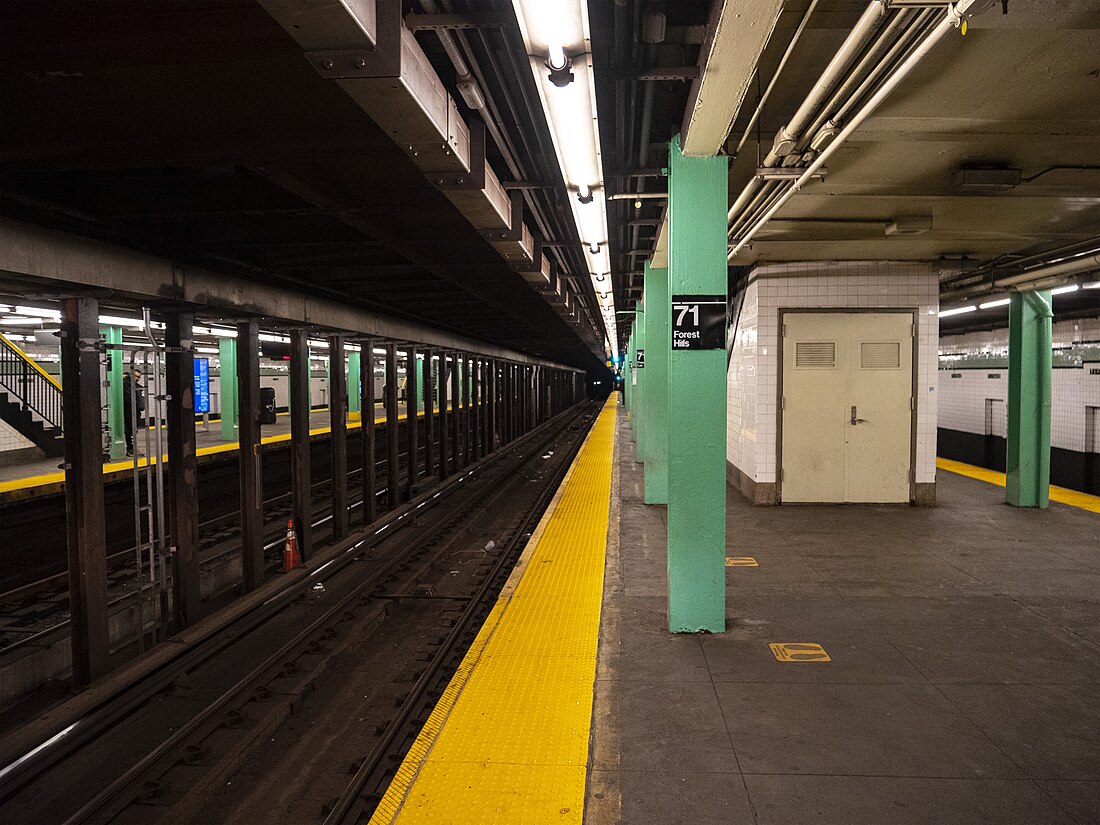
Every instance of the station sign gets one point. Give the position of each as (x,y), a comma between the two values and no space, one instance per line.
(639,358)
(202,385)
(698,322)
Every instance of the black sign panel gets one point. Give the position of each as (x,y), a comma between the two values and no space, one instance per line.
(698,322)
(640,358)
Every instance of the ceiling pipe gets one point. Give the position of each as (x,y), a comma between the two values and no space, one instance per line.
(951,20)
(775,77)
(788,136)
(1039,278)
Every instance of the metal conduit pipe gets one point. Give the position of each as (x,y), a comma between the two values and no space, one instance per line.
(924,24)
(778,71)
(850,49)
(951,19)
(873,62)
(759,202)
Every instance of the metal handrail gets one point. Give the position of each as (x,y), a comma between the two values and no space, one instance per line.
(33,388)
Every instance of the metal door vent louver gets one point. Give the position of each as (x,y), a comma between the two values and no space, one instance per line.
(815,355)
(880,355)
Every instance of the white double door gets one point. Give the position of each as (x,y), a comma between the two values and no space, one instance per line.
(846,396)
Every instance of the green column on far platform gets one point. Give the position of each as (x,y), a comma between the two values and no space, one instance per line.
(227,387)
(1030,351)
(697,271)
(353,385)
(656,386)
(115,401)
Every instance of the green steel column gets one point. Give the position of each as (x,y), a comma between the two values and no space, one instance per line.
(628,381)
(1030,343)
(115,414)
(227,371)
(656,388)
(353,384)
(640,396)
(697,249)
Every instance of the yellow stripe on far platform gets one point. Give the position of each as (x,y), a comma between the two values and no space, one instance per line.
(1073,498)
(508,741)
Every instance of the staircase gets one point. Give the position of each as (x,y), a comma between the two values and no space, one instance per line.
(30,400)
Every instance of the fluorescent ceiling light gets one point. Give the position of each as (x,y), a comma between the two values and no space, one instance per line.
(1062,290)
(1093,285)
(557,33)
(39,313)
(212,350)
(1000,302)
(944,313)
(15,320)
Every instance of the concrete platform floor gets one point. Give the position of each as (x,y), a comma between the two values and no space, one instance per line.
(964,685)
(204,438)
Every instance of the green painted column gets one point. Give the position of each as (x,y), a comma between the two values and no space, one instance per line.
(227,387)
(115,402)
(642,452)
(656,388)
(629,381)
(1030,341)
(697,400)
(353,384)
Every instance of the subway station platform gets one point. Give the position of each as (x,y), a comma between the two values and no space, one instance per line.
(943,668)
(41,475)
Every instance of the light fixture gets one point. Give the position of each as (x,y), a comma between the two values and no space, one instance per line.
(560,66)
(557,36)
(211,350)
(945,313)
(52,314)
(1093,285)
(17,321)
(1000,302)
(1062,290)
(637,204)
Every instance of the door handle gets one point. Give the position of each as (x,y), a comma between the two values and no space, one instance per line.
(857,420)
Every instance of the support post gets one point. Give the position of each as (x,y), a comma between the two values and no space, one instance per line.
(227,386)
(412,395)
(1030,350)
(657,350)
(116,406)
(338,435)
(300,471)
(183,489)
(370,434)
(456,394)
(393,489)
(491,407)
(467,418)
(640,387)
(84,514)
(697,392)
(476,408)
(429,415)
(252,498)
(444,420)
(509,402)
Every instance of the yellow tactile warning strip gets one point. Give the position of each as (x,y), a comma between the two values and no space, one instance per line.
(122,466)
(799,652)
(508,741)
(1060,494)
(741,561)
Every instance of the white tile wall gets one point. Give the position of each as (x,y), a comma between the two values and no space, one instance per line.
(753,370)
(963,402)
(11,439)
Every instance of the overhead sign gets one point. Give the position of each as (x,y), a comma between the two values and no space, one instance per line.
(698,322)
(640,358)
(202,385)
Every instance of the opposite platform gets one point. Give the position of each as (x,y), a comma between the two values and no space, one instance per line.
(508,741)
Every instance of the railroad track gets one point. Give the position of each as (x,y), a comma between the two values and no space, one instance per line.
(311,628)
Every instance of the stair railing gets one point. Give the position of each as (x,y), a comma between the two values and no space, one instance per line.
(27,383)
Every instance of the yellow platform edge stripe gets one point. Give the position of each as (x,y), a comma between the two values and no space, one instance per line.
(228,447)
(415,797)
(1072,498)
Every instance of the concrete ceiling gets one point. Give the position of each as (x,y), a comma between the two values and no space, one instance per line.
(1020,90)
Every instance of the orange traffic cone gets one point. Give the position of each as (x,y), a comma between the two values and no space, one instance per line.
(291,557)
